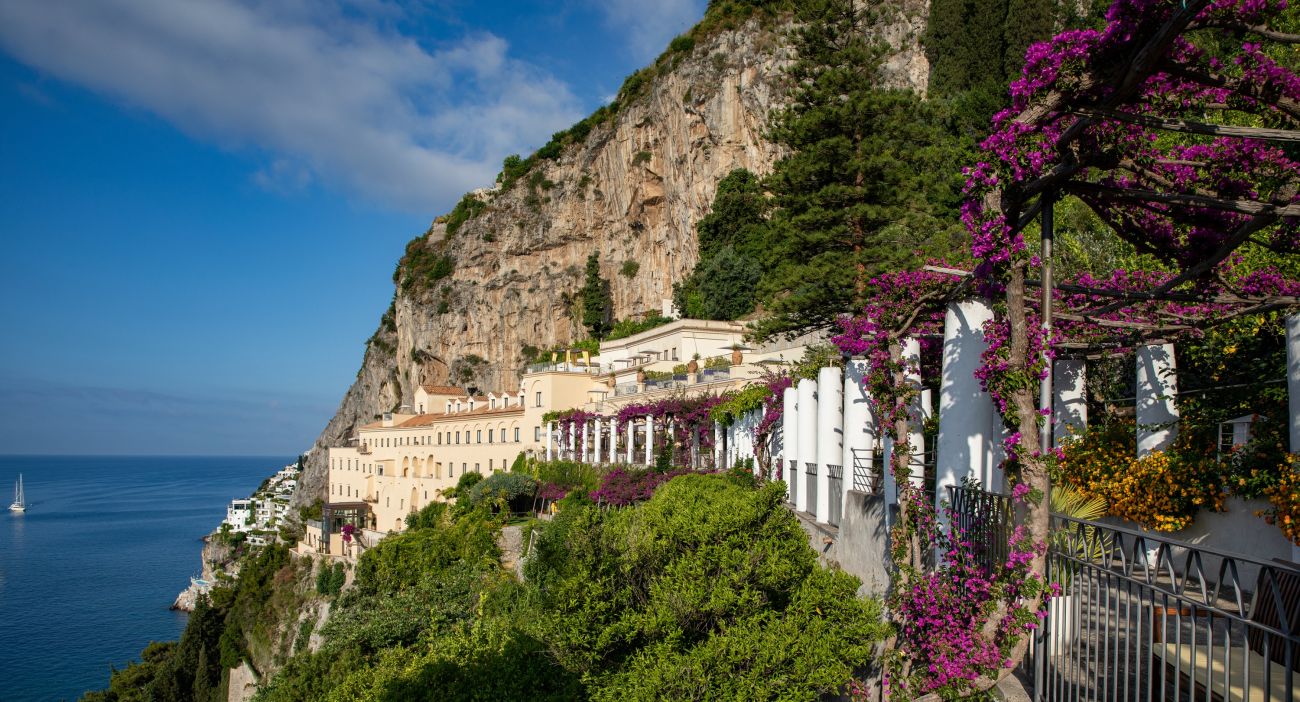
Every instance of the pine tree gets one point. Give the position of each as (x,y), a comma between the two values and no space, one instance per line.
(738,217)
(597,302)
(1027,21)
(872,181)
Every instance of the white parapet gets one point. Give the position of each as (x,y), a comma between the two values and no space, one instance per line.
(915,413)
(1157,385)
(1069,403)
(967,417)
(859,425)
(790,440)
(807,442)
(830,435)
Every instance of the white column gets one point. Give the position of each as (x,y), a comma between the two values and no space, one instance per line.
(614,455)
(830,434)
(649,440)
(596,444)
(1157,385)
(550,439)
(717,445)
(915,437)
(1293,377)
(967,416)
(789,438)
(807,441)
(695,449)
(859,425)
(1069,404)
(586,442)
(631,439)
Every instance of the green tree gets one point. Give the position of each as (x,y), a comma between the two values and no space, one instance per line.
(722,288)
(872,183)
(597,302)
(738,217)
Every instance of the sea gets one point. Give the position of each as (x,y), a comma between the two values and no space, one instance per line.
(88,573)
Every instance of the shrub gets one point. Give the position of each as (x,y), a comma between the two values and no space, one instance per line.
(641,157)
(627,327)
(512,489)
(401,560)
(468,208)
(706,591)
(1161,491)
(464,484)
(629,269)
(624,486)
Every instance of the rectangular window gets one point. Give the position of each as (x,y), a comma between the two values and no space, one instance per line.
(458,437)
(478,438)
(539,398)
(537,434)
(477,469)
(440,438)
(491,435)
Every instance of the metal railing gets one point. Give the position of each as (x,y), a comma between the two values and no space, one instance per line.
(984,519)
(792,478)
(865,476)
(1145,617)
(810,472)
(835,481)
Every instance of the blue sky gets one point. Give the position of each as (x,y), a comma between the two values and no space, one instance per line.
(201,203)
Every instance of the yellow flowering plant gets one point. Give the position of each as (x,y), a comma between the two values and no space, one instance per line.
(1284,495)
(1162,491)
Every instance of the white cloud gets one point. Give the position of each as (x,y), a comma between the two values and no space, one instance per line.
(649,26)
(365,108)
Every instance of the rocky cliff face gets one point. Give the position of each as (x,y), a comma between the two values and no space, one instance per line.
(632,190)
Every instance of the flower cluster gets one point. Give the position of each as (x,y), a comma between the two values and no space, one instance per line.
(1163,490)
(1284,495)
(941,615)
(621,487)
(570,423)
(690,417)
(552,491)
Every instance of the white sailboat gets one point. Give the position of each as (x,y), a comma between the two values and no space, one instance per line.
(20,504)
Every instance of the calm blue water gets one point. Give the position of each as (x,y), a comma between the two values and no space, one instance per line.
(87,574)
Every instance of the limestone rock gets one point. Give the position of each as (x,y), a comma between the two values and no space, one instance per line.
(631,191)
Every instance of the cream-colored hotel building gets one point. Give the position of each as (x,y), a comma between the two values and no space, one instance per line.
(402,462)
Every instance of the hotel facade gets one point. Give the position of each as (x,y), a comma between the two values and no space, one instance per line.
(402,462)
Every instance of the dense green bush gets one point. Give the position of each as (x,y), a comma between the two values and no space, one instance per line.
(627,327)
(515,490)
(468,208)
(707,589)
(330,579)
(401,560)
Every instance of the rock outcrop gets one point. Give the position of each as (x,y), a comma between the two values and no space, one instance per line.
(630,191)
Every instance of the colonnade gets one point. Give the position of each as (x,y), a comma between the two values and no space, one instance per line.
(600,441)
(829,437)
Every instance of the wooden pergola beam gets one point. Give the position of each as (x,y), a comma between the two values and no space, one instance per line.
(1286,136)
(1247,207)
